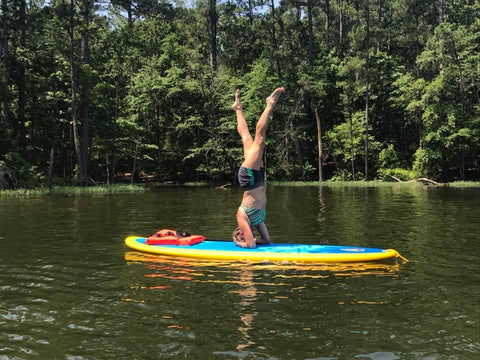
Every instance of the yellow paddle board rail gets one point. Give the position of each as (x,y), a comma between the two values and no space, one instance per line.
(191,252)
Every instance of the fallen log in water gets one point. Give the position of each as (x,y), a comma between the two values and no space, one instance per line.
(425,181)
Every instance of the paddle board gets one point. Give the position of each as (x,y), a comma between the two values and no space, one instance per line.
(227,250)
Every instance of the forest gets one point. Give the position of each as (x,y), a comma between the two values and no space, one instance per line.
(141,90)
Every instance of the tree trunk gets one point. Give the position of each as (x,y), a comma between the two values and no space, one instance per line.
(380,16)
(298,150)
(134,163)
(250,11)
(367,13)
(274,39)
(340,21)
(116,98)
(113,168)
(129,15)
(441,4)
(8,181)
(352,149)
(76,135)
(212,32)
(462,165)
(417,48)
(50,168)
(85,87)
(460,122)
(366,126)
(310,33)
(114,136)
(327,23)
(21,82)
(298,11)
(4,64)
(107,163)
(320,154)
(265,162)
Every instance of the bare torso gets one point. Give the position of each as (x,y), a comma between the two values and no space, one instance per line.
(255,198)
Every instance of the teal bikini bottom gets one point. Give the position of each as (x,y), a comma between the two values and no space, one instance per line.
(256,216)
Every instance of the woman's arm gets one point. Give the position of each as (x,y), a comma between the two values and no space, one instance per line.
(244,226)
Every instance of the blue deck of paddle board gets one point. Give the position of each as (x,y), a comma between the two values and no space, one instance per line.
(209,245)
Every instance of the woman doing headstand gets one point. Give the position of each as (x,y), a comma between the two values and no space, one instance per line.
(251,176)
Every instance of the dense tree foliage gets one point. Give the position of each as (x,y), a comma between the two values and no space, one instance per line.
(146,87)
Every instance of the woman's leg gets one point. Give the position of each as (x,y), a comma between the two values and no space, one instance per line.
(242,127)
(253,158)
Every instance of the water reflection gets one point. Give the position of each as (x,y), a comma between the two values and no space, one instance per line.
(321,205)
(248,294)
(255,286)
(182,268)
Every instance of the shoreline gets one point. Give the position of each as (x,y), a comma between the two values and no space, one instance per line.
(113,189)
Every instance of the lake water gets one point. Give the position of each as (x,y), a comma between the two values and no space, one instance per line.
(70,289)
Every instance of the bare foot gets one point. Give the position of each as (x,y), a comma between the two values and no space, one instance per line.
(272,99)
(237,105)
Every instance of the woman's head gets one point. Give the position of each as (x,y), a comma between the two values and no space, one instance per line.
(238,236)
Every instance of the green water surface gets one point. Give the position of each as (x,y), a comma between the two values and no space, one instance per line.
(70,289)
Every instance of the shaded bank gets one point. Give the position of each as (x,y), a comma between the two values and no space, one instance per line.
(73,190)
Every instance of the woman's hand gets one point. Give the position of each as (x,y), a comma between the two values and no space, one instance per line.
(244,243)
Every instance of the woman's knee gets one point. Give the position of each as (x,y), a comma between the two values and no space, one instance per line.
(247,139)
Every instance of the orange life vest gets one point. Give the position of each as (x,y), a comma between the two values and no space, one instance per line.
(173,237)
